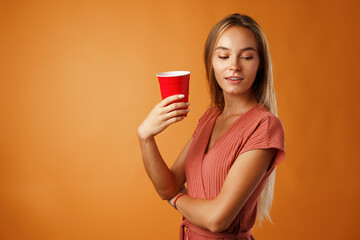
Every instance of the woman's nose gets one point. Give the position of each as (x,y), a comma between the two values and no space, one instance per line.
(235,65)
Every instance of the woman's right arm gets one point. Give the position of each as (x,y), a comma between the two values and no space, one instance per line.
(167,182)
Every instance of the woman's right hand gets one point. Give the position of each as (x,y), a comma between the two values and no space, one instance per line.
(163,114)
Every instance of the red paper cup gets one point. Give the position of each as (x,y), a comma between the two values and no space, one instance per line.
(174,82)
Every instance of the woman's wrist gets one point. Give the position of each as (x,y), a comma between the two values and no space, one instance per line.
(178,197)
(143,136)
(173,200)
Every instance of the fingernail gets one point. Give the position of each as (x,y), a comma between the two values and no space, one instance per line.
(187,110)
(187,103)
(181,96)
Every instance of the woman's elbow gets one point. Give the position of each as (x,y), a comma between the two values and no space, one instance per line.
(166,195)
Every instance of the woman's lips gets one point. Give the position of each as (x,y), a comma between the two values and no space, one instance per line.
(234,79)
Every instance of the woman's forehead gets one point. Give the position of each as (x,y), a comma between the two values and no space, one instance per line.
(236,37)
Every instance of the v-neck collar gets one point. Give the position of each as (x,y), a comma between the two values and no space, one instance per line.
(212,125)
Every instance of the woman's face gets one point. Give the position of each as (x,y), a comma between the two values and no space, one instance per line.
(236,60)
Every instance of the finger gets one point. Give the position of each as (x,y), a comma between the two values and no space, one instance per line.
(174,120)
(171,99)
(175,113)
(174,106)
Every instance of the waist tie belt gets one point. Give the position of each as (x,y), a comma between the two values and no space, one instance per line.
(205,233)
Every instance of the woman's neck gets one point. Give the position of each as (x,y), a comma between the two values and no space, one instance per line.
(238,105)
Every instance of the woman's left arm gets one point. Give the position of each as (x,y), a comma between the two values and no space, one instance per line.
(243,177)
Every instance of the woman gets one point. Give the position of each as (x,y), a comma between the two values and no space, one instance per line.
(229,162)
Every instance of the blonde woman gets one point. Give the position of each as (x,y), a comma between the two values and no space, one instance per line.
(229,162)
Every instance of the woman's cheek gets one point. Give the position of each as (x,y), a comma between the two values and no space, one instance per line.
(253,69)
(219,64)
(215,65)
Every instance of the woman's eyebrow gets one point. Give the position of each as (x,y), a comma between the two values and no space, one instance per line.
(244,49)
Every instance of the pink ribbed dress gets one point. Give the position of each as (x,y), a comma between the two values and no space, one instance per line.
(206,172)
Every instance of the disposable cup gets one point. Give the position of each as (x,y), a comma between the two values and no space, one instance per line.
(174,83)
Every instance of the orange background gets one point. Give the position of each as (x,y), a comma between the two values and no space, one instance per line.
(78,77)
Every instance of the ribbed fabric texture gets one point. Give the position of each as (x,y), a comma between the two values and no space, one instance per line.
(206,172)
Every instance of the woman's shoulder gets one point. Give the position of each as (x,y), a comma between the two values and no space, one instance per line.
(262,114)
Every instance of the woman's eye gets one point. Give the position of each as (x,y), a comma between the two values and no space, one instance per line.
(247,58)
(223,57)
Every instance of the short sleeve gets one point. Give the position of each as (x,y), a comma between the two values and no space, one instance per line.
(269,133)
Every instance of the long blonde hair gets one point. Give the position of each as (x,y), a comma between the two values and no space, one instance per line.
(262,88)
